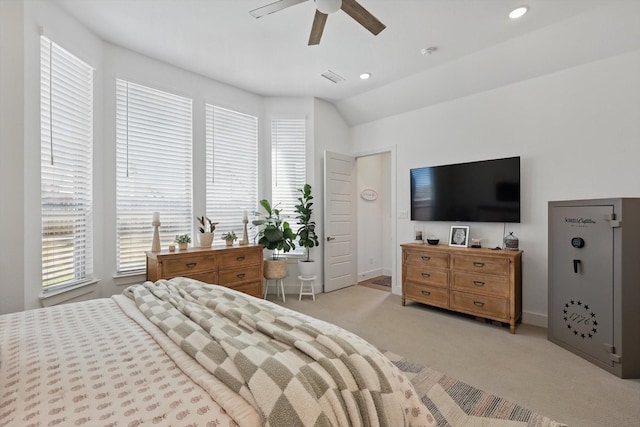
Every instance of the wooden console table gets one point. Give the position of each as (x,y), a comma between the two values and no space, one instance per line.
(237,267)
(482,282)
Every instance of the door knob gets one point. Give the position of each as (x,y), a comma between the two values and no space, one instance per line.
(329,238)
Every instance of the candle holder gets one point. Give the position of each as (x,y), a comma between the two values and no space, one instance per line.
(245,235)
(155,246)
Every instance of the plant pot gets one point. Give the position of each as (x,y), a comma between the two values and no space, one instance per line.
(206,239)
(307,268)
(229,242)
(183,246)
(275,269)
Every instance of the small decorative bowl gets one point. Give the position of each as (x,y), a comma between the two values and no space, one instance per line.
(433,241)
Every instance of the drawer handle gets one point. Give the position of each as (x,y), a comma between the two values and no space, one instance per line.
(426,275)
(191,264)
(240,258)
(478,303)
(427,293)
(426,258)
(240,275)
(478,264)
(478,283)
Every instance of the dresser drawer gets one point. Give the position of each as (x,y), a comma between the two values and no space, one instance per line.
(481,284)
(428,275)
(430,259)
(480,305)
(187,266)
(254,289)
(427,294)
(240,259)
(485,265)
(229,276)
(208,277)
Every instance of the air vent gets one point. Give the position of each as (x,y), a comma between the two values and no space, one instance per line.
(330,75)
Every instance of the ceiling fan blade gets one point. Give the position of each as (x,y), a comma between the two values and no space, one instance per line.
(274,7)
(362,16)
(317,28)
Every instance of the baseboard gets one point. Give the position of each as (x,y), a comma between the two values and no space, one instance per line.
(535,319)
(371,274)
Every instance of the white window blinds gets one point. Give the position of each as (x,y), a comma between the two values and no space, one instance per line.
(232,170)
(288,167)
(66,136)
(154,170)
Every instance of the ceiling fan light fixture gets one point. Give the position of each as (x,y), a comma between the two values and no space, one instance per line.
(518,12)
(328,6)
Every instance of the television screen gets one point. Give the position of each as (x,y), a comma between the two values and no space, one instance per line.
(484,191)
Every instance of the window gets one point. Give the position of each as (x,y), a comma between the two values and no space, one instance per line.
(154,170)
(66,159)
(232,169)
(288,167)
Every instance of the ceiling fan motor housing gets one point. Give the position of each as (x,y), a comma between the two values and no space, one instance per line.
(328,6)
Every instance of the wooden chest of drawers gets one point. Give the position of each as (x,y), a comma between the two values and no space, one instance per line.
(238,267)
(480,282)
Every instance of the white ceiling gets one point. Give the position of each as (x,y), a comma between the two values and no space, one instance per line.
(269,56)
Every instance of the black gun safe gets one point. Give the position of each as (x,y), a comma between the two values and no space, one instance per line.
(594,281)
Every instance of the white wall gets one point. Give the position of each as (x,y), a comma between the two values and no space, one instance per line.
(11,155)
(374,227)
(576,131)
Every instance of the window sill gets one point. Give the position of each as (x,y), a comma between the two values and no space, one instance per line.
(130,278)
(58,296)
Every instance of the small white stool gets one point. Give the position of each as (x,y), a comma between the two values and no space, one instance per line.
(307,280)
(278,290)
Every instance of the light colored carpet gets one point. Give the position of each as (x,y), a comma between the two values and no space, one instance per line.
(524,368)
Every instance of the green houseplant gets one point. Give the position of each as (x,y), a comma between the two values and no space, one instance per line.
(229,238)
(183,240)
(307,237)
(276,235)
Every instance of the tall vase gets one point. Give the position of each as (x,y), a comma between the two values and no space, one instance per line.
(206,239)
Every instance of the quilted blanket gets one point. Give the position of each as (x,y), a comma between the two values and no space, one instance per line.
(294,370)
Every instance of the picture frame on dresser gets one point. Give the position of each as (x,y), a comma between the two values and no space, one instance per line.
(459,236)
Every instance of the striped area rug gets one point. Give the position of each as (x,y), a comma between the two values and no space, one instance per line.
(457,404)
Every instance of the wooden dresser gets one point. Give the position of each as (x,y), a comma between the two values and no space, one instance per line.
(482,282)
(238,267)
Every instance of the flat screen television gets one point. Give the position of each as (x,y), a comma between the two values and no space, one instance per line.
(484,191)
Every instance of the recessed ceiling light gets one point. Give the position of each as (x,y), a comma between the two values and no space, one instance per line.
(518,12)
(365,76)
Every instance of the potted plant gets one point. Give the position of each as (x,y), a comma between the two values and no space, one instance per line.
(276,235)
(206,231)
(183,241)
(229,238)
(307,237)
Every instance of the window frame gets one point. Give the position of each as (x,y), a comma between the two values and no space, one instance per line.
(66,167)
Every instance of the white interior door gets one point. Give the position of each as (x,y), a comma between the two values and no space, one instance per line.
(339,221)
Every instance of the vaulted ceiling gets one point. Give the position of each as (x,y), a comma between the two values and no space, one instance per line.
(477,46)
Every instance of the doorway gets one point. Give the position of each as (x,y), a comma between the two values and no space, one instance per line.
(375,247)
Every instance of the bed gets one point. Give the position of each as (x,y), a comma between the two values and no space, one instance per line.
(184,353)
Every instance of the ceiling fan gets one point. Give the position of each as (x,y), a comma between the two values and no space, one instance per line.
(323,9)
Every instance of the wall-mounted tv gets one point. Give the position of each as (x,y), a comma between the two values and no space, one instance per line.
(484,191)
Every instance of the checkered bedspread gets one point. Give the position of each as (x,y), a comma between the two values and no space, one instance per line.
(295,370)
